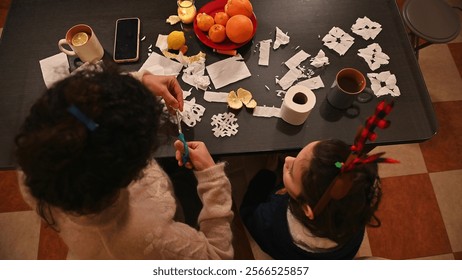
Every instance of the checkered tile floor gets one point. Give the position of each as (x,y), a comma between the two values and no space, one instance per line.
(421,211)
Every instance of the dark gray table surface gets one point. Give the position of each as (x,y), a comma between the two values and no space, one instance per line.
(34,27)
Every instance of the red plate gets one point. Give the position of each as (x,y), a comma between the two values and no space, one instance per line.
(211,8)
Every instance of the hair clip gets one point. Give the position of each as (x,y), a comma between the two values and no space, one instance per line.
(338,164)
(89,123)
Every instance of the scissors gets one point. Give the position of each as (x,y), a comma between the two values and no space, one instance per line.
(185,157)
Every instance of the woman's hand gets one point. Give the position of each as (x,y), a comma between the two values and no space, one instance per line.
(199,157)
(167,87)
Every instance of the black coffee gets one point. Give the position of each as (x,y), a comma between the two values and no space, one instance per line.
(348,84)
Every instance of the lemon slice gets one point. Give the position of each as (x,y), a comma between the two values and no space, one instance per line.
(79,39)
(234,101)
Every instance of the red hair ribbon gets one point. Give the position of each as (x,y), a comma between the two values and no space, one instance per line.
(342,184)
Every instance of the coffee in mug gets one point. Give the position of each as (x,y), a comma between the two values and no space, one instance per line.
(83,42)
(348,83)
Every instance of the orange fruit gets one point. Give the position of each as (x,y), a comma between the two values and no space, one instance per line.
(221,18)
(204,21)
(217,33)
(239,29)
(239,7)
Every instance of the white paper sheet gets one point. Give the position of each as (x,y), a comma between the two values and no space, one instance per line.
(227,71)
(313,83)
(338,40)
(160,65)
(212,96)
(264,55)
(374,56)
(366,28)
(54,68)
(295,60)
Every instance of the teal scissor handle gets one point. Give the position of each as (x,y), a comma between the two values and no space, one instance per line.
(185,157)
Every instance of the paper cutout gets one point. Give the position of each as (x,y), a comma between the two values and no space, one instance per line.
(194,75)
(161,42)
(338,40)
(173,19)
(374,56)
(224,124)
(281,39)
(313,83)
(298,58)
(54,68)
(267,112)
(384,83)
(290,77)
(160,65)
(192,112)
(212,96)
(263,58)
(228,71)
(320,59)
(186,93)
(366,28)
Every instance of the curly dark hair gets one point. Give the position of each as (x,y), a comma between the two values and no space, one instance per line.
(68,166)
(341,219)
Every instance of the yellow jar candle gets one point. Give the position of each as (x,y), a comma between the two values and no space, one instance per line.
(186,11)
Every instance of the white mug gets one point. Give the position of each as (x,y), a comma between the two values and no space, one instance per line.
(83,43)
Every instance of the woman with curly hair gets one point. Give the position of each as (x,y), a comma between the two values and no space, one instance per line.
(286,224)
(85,156)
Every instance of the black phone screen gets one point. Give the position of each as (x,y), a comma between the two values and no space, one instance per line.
(126,39)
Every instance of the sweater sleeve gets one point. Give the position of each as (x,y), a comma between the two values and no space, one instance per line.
(213,239)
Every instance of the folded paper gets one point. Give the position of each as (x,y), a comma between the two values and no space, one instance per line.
(320,60)
(211,96)
(298,58)
(263,57)
(54,68)
(281,39)
(312,83)
(266,112)
(160,65)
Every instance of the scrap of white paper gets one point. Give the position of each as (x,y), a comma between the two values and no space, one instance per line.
(212,96)
(320,59)
(384,83)
(186,93)
(313,83)
(173,19)
(289,78)
(194,74)
(224,124)
(263,58)
(161,42)
(374,56)
(192,112)
(228,71)
(338,40)
(54,68)
(281,39)
(298,58)
(366,28)
(160,65)
(267,112)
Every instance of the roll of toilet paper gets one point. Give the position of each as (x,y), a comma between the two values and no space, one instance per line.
(297,104)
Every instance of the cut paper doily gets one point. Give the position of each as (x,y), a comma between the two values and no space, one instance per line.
(374,56)
(338,40)
(224,124)
(366,28)
(384,83)
(192,112)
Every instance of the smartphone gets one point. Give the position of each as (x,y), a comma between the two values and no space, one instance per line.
(127,40)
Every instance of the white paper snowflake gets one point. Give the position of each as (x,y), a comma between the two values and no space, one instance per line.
(384,83)
(366,28)
(224,124)
(374,56)
(338,40)
(192,112)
